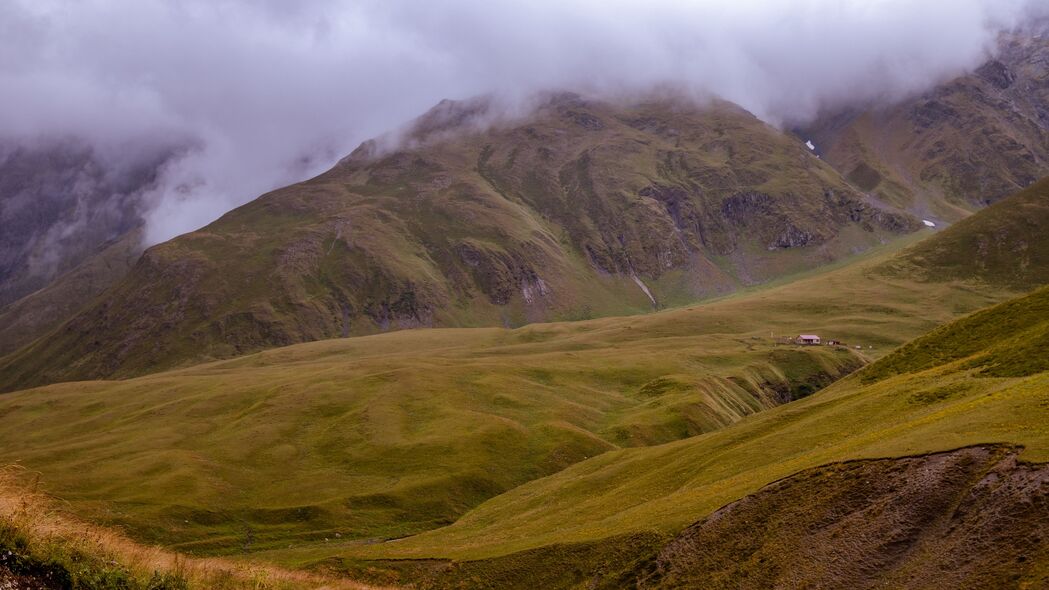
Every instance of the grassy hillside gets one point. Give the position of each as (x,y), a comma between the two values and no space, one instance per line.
(664,488)
(391,434)
(386,436)
(582,209)
(969,518)
(1006,244)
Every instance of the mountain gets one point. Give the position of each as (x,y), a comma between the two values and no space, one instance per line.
(38,313)
(564,452)
(62,201)
(582,208)
(964,144)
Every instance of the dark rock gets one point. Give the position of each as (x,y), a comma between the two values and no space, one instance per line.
(997,74)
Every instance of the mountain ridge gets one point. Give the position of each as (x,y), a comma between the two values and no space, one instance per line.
(586,208)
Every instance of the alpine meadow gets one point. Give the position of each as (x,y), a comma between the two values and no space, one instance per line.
(559,295)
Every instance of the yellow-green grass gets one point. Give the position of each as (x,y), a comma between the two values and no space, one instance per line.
(373,443)
(390,435)
(666,487)
(922,408)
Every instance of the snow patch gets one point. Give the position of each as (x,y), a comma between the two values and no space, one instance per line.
(643,288)
(928,223)
(810,145)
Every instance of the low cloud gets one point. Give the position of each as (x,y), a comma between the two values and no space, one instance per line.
(248,96)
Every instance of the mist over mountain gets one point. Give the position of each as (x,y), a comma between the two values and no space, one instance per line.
(252,96)
(60,200)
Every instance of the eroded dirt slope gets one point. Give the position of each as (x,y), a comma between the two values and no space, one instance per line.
(970,518)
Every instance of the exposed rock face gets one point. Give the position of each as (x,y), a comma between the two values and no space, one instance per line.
(582,205)
(997,74)
(971,518)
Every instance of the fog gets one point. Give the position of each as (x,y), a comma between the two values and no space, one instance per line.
(248,96)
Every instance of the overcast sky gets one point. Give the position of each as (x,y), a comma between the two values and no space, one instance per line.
(263,93)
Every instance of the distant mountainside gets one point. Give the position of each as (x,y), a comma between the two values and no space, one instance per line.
(956,148)
(60,204)
(584,208)
(39,312)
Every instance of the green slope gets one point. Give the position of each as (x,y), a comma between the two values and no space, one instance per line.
(663,488)
(383,438)
(1006,244)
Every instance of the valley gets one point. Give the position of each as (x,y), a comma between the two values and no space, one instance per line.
(551,343)
(423,426)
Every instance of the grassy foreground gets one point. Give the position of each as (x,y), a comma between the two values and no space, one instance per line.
(42,546)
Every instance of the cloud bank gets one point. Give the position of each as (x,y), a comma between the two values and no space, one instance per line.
(252,95)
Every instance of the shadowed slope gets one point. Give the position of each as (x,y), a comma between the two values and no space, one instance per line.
(38,313)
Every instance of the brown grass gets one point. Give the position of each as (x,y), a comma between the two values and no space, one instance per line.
(51,535)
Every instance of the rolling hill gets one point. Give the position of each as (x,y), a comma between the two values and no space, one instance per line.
(1004,245)
(581,209)
(934,476)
